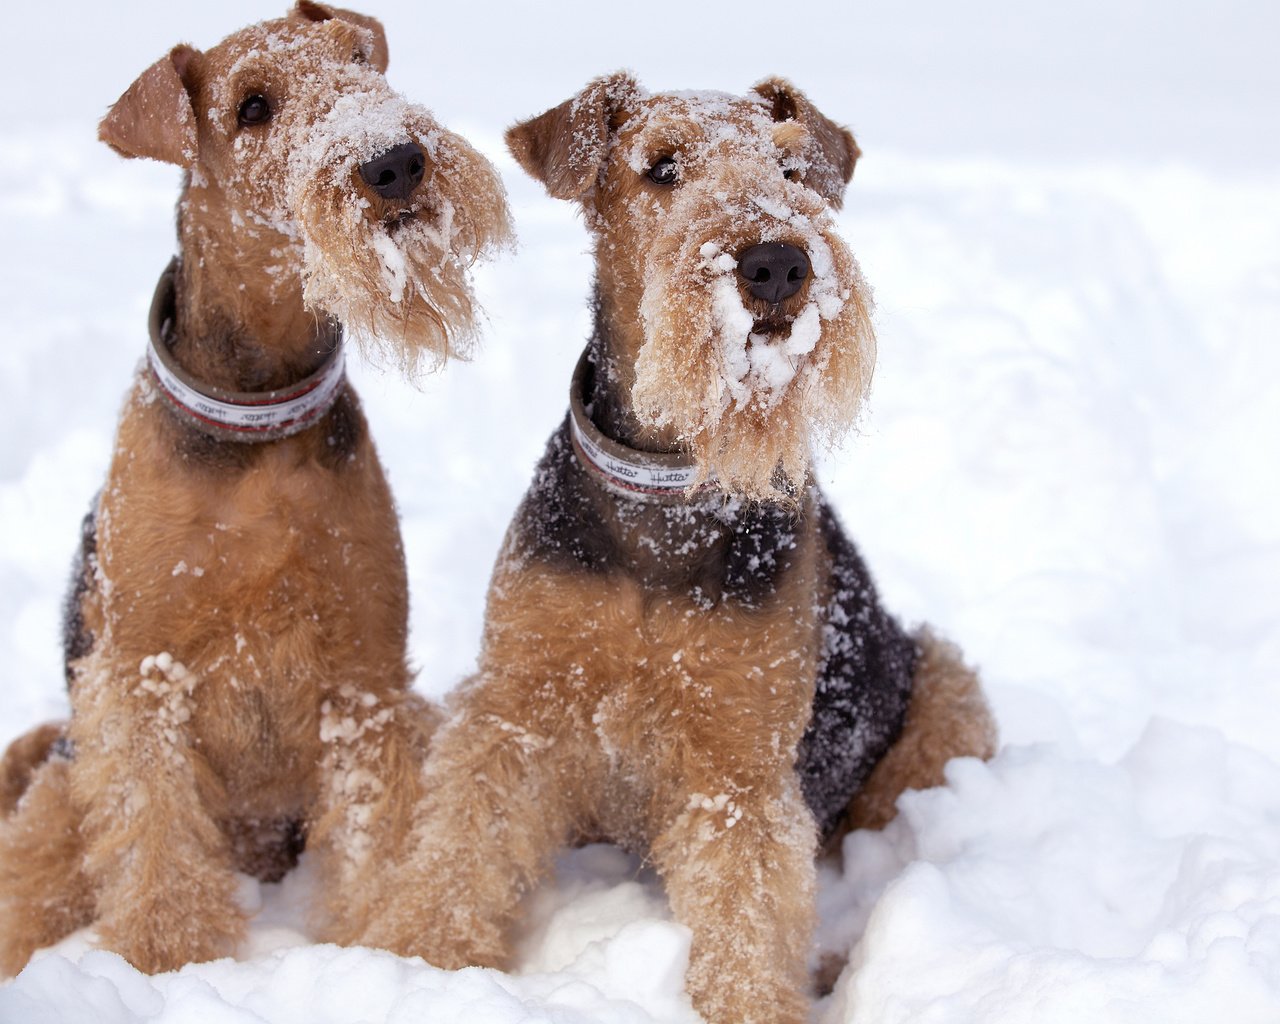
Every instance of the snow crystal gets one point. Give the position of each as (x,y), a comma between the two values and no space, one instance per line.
(395,274)
(164,677)
(337,727)
(721,803)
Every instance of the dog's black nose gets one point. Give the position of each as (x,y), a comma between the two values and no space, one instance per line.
(396,173)
(774,270)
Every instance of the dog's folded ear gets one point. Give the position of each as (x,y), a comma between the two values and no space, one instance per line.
(566,147)
(154,117)
(831,152)
(377,54)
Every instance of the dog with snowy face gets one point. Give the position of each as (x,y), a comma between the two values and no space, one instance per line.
(237,631)
(683,652)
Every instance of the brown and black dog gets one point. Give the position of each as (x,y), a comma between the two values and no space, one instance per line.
(236,635)
(683,651)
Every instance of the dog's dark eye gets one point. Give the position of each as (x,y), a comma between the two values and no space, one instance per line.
(664,171)
(791,174)
(254,110)
(358,56)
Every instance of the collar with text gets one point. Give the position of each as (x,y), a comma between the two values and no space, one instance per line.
(245,416)
(658,476)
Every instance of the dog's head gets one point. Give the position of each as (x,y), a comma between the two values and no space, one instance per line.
(306,171)
(742,314)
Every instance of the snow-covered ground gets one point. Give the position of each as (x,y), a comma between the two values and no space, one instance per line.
(1070,463)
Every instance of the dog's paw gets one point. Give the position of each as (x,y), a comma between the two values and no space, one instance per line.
(446,938)
(187,916)
(173,937)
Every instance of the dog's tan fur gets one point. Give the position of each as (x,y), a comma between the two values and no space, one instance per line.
(638,681)
(663,345)
(21,760)
(947,717)
(242,616)
(563,735)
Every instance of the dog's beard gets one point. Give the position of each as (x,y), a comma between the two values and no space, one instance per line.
(750,406)
(400,284)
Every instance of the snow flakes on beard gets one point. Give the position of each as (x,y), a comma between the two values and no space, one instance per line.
(400,286)
(747,404)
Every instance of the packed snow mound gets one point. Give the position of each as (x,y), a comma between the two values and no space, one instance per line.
(598,947)
(330,985)
(1054,888)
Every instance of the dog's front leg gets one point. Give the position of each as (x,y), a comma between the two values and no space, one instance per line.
(370,783)
(159,865)
(739,871)
(495,810)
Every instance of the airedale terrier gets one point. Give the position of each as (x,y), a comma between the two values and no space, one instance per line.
(683,652)
(236,635)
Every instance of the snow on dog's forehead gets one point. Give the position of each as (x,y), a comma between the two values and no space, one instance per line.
(697,123)
(288,36)
(319,73)
(302,51)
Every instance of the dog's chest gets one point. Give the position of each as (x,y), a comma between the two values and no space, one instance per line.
(679,670)
(247,617)
(231,566)
(652,677)
(271,587)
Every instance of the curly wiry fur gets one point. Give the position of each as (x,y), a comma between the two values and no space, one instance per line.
(708,679)
(402,284)
(701,365)
(237,626)
(731,418)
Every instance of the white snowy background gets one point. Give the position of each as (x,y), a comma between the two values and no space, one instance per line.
(1070,463)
